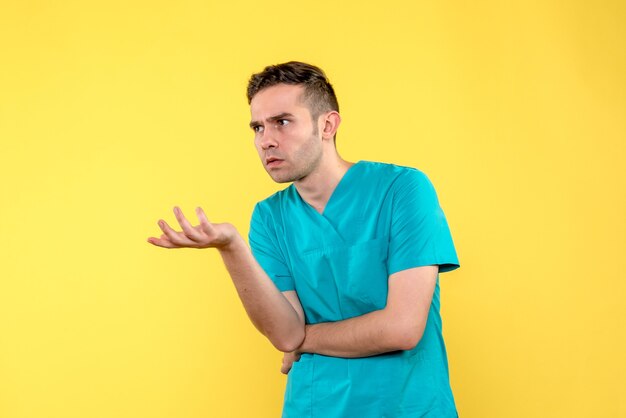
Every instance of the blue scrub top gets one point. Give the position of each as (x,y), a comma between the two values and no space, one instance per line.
(381,219)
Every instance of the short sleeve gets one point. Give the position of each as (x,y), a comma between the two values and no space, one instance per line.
(266,250)
(419,235)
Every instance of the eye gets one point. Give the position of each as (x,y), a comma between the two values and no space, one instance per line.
(282,122)
(257,129)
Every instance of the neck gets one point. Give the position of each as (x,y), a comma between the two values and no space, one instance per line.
(317,187)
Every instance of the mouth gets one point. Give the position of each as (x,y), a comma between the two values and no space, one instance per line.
(272,162)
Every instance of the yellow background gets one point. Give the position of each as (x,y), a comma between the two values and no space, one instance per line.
(113,112)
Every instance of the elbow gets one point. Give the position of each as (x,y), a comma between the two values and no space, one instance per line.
(409,342)
(407,336)
(288,342)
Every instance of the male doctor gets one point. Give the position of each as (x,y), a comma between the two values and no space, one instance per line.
(343,265)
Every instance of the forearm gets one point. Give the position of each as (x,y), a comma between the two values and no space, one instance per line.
(268,309)
(374,333)
(399,326)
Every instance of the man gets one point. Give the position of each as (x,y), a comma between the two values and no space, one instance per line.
(343,272)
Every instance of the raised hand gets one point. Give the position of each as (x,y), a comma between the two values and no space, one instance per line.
(204,235)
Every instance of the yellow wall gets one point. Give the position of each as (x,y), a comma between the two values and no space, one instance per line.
(112,112)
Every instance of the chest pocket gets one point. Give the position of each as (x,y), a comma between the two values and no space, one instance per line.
(342,282)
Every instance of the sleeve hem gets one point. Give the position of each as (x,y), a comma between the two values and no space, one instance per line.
(444,265)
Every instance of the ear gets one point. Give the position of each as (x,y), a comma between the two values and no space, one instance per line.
(329,124)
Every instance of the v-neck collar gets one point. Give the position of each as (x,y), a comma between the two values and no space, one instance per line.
(344,179)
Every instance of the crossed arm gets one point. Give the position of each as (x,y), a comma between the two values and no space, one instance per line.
(399,326)
(279,316)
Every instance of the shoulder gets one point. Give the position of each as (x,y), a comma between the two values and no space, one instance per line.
(271,206)
(388,169)
(397,176)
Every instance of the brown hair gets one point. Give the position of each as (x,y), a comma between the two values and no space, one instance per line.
(318,92)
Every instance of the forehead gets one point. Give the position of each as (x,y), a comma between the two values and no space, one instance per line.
(281,98)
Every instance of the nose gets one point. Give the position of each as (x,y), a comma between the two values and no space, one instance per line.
(268,139)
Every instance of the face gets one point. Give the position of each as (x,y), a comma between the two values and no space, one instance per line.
(286,138)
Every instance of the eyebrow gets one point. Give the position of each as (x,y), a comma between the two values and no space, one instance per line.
(272,119)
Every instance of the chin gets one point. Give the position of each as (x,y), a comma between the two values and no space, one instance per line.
(286,174)
(282,179)
(279,177)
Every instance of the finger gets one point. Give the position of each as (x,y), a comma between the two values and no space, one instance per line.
(285,368)
(205,225)
(161,242)
(191,232)
(177,238)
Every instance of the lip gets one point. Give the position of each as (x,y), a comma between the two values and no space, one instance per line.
(273,162)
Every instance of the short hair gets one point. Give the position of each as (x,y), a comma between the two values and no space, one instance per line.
(318,92)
